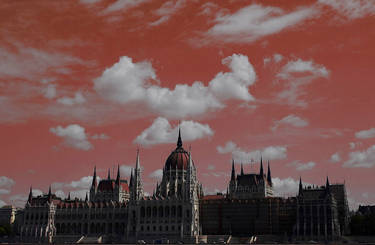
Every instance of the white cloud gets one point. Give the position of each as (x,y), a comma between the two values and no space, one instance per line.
(297,74)
(353,145)
(29,63)
(19,200)
(256,21)
(208,8)
(302,166)
(291,120)
(210,167)
(4,191)
(162,132)
(100,136)
(352,9)
(365,134)
(125,170)
(303,66)
(50,91)
(122,5)
(239,155)
(157,174)
(74,136)
(2,203)
(6,182)
(130,83)
(335,157)
(168,9)
(276,58)
(69,101)
(286,187)
(361,159)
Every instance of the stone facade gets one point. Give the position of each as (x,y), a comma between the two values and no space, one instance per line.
(118,211)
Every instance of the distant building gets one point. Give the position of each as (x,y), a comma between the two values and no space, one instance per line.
(118,211)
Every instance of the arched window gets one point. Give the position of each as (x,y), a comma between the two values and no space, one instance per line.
(179,211)
(161,211)
(142,212)
(148,212)
(167,211)
(173,212)
(154,212)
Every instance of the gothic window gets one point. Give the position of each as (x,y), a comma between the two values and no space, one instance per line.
(142,212)
(172,228)
(148,212)
(167,212)
(188,213)
(160,211)
(154,212)
(179,211)
(173,213)
(166,228)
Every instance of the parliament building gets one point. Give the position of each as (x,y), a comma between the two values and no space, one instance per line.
(117,210)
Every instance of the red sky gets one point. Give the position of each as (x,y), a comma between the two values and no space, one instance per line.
(84,83)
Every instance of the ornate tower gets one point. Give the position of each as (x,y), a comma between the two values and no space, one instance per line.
(94,186)
(233,182)
(136,185)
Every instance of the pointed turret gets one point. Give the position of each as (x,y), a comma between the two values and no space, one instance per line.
(86,198)
(269,178)
(261,167)
(328,189)
(109,174)
(242,169)
(118,175)
(131,179)
(179,141)
(233,176)
(69,196)
(300,189)
(137,164)
(49,191)
(94,183)
(30,195)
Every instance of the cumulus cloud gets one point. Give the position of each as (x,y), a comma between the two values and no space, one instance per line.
(361,159)
(130,83)
(73,136)
(77,99)
(336,157)
(296,75)
(6,182)
(276,58)
(365,134)
(125,170)
(256,21)
(290,120)
(286,187)
(100,137)
(240,155)
(302,166)
(157,174)
(162,132)
(352,9)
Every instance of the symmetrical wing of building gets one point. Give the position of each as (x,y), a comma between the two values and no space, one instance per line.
(118,211)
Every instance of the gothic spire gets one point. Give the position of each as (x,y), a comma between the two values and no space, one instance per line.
(328,186)
(300,190)
(233,176)
(94,179)
(30,194)
(86,198)
(137,164)
(131,178)
(179,141)
(109,174)
(118,175)
(269,179)
(261,166)
(241,169)
(69,196)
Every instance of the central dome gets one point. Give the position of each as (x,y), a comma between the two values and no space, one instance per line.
(179,158)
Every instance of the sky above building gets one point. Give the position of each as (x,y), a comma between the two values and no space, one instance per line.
(85,83)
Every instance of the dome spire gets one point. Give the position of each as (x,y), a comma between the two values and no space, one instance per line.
(179,141)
